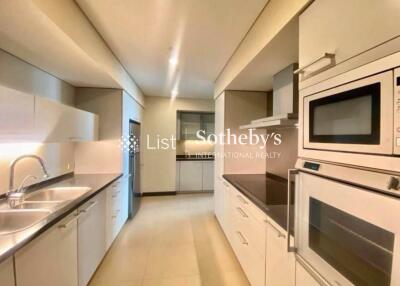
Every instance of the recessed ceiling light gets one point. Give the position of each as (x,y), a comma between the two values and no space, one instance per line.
(174,92)
(173,61)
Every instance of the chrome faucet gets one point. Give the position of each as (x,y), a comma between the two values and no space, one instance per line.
(16,196)
(12,169)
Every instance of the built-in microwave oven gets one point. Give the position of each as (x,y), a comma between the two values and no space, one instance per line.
(362,116)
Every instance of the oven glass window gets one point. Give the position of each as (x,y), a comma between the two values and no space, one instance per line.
(360,251)
(351,117)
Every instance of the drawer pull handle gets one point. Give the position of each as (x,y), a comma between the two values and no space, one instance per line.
(242,212)
(70,222)
(91,205)
(241,199)
(244,241)
(280,234)
(329,56)
(115,194)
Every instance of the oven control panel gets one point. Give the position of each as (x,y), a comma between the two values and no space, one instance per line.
(396,112)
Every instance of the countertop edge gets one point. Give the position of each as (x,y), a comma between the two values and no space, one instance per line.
(248,195)
(261,205)
(58,216)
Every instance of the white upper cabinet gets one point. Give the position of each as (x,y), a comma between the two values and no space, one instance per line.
(16,115)
(7,272)
(345,28)
(56,122)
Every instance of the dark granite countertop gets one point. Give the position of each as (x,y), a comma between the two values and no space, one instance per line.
(10,243)
(268,192)
(194,157)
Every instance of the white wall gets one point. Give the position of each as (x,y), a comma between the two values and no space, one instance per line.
(240,108)
(115,108)
(59,158)
(159,119)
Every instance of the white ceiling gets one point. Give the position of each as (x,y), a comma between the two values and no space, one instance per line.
(203,35)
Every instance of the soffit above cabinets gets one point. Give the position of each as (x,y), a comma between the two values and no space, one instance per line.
(27,33)
(203,34)
(279,53)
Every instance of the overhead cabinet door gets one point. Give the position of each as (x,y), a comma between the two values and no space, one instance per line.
(345,28)
(57,122)
(17,119)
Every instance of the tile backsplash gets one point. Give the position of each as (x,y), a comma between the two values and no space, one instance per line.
(193,147)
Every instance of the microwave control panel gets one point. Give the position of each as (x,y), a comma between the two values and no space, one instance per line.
(396,112)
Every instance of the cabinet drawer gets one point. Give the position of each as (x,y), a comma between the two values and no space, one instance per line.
(252,229)
(252,262)
(363,25)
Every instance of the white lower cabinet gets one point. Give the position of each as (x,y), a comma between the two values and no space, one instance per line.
(51,259)
(303,278)
(115,214)
(190,176)
(248,237)
(280,264)
(258,242)
(7,272)
(208,175)
(194,176)
(91,237)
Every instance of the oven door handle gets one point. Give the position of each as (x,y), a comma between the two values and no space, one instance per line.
(291,174)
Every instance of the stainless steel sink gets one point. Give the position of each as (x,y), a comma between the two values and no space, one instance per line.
(17,220)
(37,205)
(58,194)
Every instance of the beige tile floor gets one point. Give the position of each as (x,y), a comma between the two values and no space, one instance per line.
(173,240)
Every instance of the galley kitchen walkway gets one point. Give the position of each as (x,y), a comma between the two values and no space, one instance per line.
(173,240)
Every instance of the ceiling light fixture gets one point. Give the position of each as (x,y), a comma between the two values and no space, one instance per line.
(173,61)
(174,92)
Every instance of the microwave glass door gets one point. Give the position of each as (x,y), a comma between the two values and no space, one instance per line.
(351,236)
(354,117)
(351,117)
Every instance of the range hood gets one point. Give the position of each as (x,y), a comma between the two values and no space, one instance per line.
(284,101)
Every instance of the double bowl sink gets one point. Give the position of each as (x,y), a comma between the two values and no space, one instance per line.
(36,207)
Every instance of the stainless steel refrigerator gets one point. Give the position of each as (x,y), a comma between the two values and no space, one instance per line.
(134,168)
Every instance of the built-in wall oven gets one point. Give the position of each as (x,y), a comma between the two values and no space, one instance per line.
(362,116)
(347,226)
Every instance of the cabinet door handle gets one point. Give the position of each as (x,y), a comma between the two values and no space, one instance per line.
(291,173)
(280,234)
(115,213)
(91,205)
(115,194)
(241,199)
(329,56)
(75,138)
(70,222)
(242,238)
(242,212)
